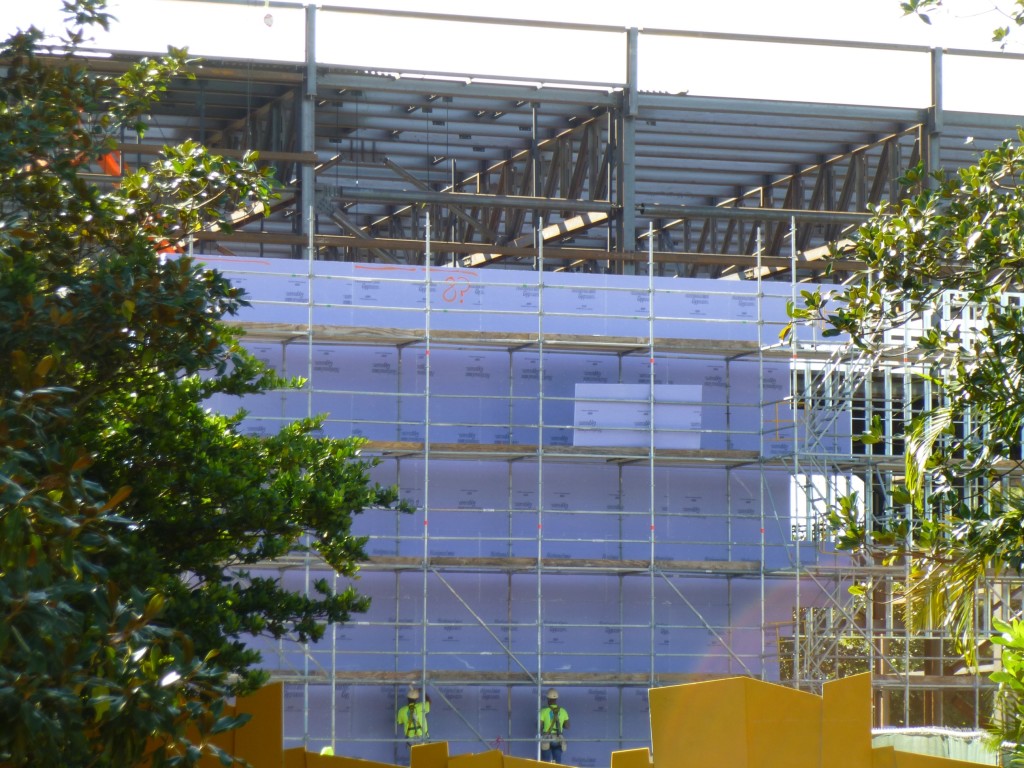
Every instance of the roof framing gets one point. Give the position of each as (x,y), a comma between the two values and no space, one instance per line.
(498,165)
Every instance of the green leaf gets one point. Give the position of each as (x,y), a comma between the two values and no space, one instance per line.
(921,438)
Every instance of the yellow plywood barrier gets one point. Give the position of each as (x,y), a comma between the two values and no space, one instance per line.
(702,724)
(736,722)
(883,757)
(314,760)
(489,759)
(747,723)
(631,758)
(353,762)
(300,758)
(783,726)
(429,755)
(296,758)
(520,762)
(846,722)
(261,740)
(912,760)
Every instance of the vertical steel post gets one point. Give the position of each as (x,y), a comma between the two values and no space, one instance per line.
(428,259)
(307,205)
(308,117)
(627,154)
(931,151)
(540,482)
(651,436)
(796,474)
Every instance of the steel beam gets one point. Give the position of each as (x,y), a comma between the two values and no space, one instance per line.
(464,199)
(683,212)
(626,228)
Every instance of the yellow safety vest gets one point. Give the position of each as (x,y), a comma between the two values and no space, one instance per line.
(413,719)
(553,720)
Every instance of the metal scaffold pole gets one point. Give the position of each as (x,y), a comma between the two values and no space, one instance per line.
(539,682)
(428,367)
(651,309)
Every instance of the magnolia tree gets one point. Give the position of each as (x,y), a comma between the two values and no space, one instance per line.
(129,514)
(985,530)
(950,259)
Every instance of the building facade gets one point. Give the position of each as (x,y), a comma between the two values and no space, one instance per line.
(554,311)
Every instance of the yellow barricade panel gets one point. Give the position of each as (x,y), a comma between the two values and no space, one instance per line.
(261,740)
(783,726)
(846,723)
(434,755)
(632,758)
(700,724)
(490,759)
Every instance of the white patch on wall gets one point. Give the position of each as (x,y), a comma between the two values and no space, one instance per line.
(620,415)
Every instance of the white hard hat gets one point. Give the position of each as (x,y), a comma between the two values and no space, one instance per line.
(552,693)
(413,694)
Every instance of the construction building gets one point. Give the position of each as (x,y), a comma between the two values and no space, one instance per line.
(554,311)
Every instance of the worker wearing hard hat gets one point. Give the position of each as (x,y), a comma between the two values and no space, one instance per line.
(553,722)
(412,718)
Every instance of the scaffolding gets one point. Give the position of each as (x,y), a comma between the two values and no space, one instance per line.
(603,513)
(585,519)
(553,310)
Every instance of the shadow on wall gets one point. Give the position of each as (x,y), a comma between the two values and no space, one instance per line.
(736,722)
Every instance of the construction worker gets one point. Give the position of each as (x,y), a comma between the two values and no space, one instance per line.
(553,722)
(412,718)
